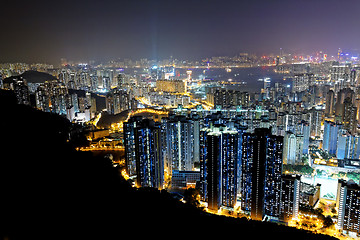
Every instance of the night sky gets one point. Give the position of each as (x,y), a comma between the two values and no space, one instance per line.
(45,31)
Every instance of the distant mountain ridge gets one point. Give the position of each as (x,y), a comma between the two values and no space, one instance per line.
(33,77)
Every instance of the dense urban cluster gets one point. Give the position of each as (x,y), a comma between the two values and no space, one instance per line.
(268,154)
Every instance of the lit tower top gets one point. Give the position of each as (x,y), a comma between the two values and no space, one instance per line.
(339,53)
(188,79)
(189,72)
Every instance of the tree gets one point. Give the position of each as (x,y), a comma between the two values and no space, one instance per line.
(333,210)
(328,222)
(191,196)
(319,211)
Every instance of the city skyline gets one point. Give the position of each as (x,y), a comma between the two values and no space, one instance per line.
(93,30)
(181,110)
(282,142)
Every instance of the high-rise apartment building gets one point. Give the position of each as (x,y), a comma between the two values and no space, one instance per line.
(342,95)
(330,103)
(171,86)
(301,82)
(304,129)
(221,167)
(330,138)
(289,197)
(349,116)
(182,142)
(267,87)
(290,153)
(129,144)
(316,118)
(20,87)
(217,124)
(341,76)
(348,201)
(143,152)
(228,98)
(261,167)
(117,100)
(348,146)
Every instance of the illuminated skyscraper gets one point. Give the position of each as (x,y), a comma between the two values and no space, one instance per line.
(129,143)
(221,167)
(349,116)
(106,83)
(289,156)
(301,82)
(228,133)
(94,81)
(329,105)
(261,166)
(213,167)
(267,86)
(304,129)
(229,98)
(348,146)
(173,86)
(149,163)
(340,76)
(117,100)
(316,118)
(20,87)
(330,138)
(143,152)
(289,197)
(121,81)
(348,201)
(180,148)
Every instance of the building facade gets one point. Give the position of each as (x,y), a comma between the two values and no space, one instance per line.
(143,152)
(348,201)
(221,167)
(261,167)
(289,197)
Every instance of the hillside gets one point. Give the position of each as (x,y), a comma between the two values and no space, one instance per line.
(34,77)
(50,191)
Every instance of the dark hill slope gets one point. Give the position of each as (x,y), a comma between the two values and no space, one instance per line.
(50,191)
